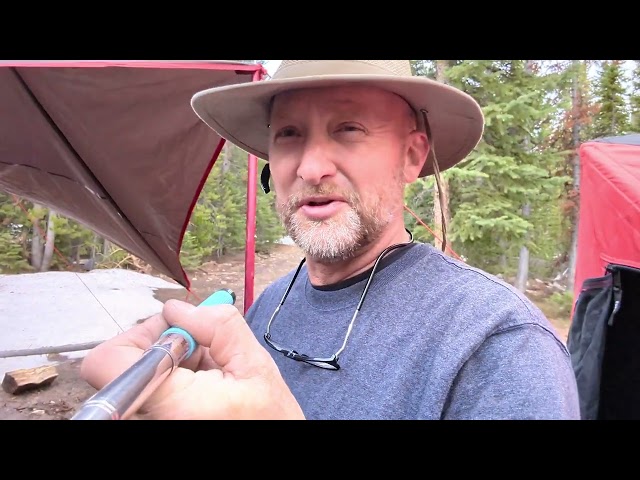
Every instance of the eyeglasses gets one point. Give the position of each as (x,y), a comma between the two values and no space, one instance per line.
(328,363)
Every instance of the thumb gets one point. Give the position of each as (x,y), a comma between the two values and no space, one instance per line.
(224,332)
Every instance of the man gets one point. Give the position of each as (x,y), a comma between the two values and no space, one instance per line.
(371,325)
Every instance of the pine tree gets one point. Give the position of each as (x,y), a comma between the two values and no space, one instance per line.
(613,113)
(572,129)
(634,98)
(14,232)
(218,223)
(510,168)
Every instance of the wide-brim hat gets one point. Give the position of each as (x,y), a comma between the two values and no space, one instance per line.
(239,113)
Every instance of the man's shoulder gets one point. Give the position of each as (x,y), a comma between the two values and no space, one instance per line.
(468,290)
(453,270)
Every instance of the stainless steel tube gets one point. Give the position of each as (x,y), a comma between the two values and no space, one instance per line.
(123,396)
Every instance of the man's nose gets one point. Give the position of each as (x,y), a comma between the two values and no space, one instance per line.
(316,161)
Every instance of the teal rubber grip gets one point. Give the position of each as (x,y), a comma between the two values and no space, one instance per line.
(186,335)
(222,296)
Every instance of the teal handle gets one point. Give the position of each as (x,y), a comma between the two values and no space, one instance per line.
(222,296)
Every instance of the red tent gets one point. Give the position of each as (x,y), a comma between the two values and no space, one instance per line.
(117,146)
(609,222)
(604,337)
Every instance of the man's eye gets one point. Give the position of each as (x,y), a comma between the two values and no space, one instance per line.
(350,127)
(286,132)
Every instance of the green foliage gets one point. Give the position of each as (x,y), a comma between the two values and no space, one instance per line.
(12,258)
(74,239)
(14,233)
(424,68)
(563,302)
(192,251)
(269,229)
(511,167)
(573,86)
(218,223)
(613,115)
(634,98)
(419,198)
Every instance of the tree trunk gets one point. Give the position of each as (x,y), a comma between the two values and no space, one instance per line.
(50,242)
(523,262)
(225,167)
(504,262)
(576,107)
(36,242)
(106,248)
(440,197)
(226,157)
(92,255)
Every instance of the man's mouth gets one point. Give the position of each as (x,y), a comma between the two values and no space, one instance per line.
(321,208)
(319,201)
(316,203)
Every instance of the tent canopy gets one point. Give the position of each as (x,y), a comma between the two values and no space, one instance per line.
(114,145)
(604,336)
(609,222)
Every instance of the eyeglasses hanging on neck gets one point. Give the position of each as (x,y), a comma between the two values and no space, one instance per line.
(328,363)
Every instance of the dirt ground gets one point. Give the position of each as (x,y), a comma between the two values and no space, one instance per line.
(61,399)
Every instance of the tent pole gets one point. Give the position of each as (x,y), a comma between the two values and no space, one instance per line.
(249,270)
(249,252)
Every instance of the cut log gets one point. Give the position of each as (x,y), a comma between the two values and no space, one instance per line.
(20,381)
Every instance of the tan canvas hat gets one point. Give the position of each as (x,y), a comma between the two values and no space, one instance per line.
(239,113)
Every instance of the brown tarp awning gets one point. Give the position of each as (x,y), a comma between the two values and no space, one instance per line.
(114,145)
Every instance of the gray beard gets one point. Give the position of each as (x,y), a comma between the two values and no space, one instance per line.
(336,239)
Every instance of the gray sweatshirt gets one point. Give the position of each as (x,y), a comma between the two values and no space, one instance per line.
(435,339)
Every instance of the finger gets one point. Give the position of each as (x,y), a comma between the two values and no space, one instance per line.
(199,360)
(111,358)
(155,326)
(143,335)
(232,345)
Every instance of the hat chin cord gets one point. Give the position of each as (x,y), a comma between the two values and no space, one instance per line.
(437,176)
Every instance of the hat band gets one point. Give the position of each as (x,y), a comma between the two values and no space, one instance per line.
(310,68)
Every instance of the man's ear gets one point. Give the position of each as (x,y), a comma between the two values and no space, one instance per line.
(417,151)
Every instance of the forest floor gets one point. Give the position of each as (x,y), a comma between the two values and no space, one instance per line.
(61,399)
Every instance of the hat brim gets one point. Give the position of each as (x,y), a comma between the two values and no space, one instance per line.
(239,113)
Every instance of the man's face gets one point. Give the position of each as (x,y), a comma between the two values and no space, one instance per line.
(339,160)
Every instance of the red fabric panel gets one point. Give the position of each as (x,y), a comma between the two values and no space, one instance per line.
(609,223)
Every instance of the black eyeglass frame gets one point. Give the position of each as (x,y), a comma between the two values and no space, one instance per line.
(327,363)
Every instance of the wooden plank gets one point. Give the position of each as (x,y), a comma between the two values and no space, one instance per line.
(19,381)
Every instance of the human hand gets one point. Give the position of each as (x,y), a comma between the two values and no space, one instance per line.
(229,375)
